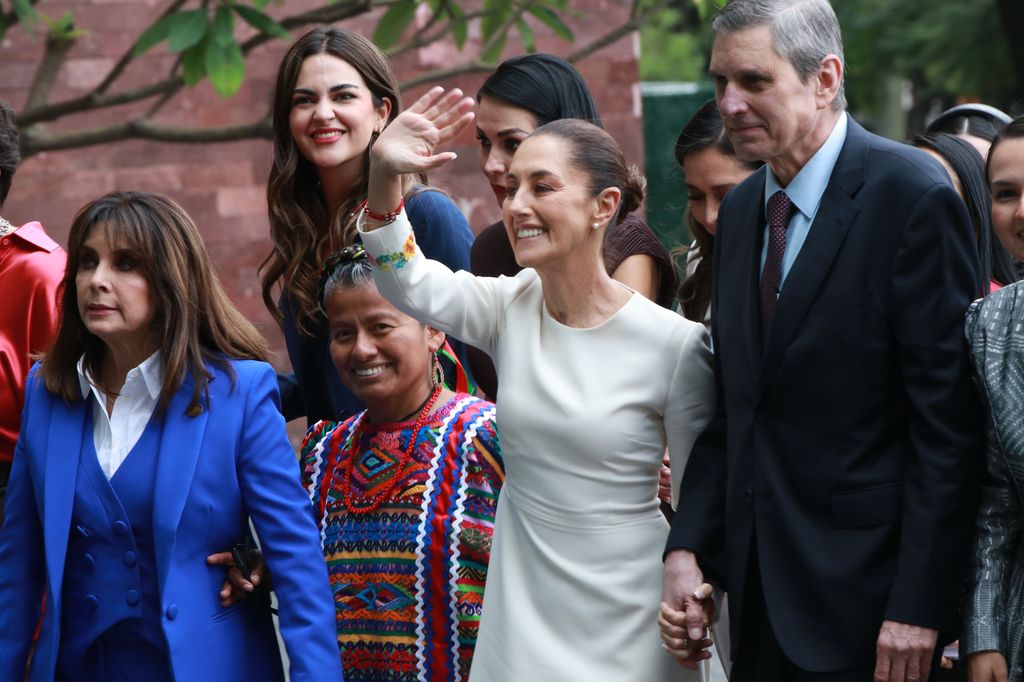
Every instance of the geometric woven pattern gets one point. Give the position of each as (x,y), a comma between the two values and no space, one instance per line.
(995,605)
(394,621)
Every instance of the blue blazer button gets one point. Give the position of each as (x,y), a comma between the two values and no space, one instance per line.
(132,597)
(88,561)
(172,612)
(130,559)
(120,528)
(91,602)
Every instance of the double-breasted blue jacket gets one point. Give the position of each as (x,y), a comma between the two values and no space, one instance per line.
(231,462)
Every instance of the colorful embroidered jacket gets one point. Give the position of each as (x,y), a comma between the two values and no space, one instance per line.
(408,578)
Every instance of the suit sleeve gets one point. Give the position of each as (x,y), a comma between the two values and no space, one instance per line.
(699,522)
(931,286)
(22,568)
(269,479)
(458,303)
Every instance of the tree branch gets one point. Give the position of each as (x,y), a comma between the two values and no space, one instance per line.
(420,39)
(129,56)
(57,48)
(632,24)
(472,66)
(99,99)
(141,128)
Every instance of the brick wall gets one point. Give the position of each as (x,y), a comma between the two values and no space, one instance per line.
(222,185)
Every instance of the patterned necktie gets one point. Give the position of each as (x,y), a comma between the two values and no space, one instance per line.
(780,210)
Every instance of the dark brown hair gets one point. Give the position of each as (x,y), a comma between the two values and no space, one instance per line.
(301,224)
(704,130)
(596,153)
(10,151)
(195,321)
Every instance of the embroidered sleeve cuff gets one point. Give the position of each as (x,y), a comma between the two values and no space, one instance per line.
(389,247)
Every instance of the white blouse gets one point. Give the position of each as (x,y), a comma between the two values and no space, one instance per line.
(115,435)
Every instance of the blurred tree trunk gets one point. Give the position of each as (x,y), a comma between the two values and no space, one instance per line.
(1012,13)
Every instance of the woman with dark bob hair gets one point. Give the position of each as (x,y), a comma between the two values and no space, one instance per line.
(596,380)
(151,436)
(335,92)
(521,95)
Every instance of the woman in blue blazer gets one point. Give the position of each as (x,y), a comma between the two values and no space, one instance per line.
(150,437)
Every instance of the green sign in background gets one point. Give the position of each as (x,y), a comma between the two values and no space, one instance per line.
(667,108)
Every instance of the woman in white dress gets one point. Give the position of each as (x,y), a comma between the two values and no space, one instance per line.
(594,381)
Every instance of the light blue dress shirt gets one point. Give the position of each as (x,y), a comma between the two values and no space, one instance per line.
(805,191)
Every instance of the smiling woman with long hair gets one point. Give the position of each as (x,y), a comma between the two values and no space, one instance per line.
(150,437)
(335,93)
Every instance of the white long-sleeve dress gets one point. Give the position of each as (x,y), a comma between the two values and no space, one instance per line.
(584,416)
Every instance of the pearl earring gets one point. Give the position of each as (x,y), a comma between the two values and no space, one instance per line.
(596,226)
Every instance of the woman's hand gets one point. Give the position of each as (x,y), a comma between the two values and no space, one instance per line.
(987,666)
(407,144)
(236,587)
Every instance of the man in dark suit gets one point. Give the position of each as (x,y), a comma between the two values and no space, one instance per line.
(834,494)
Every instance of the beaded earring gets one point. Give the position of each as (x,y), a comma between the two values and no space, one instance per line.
(437,373)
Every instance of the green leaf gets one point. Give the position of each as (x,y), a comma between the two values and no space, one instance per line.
(497,11)
(260,4)
(193,63)
(26,13)
(225,67)
(186,29)
(223,26)
(494,53)
(552,21)
(526,34)
(261,22)
(460,27)
(156,33)
(393,24)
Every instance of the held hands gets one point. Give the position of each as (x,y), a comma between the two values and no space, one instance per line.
(987,666)
(686,609)
(236,587)
(665,481)
(407,144)
(904,652)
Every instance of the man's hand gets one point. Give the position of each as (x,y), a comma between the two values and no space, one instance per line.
(904,652)
(236,587)
(987,666)
(686,609)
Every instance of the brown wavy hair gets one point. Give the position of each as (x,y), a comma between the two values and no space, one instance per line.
(301,224)
(702,131)
(195,321)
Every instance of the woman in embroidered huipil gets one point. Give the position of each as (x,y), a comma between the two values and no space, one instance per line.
(151,437)
(404,492)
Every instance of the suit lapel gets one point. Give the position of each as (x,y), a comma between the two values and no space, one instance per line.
(63,453)
(180,444)
(743,252)
(836,213)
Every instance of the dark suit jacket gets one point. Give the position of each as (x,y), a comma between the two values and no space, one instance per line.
(850,446)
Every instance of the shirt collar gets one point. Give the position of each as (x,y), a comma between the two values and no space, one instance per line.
(151,369)
(34,234)
(807,188)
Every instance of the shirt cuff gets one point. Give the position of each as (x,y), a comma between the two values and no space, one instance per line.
(389,247)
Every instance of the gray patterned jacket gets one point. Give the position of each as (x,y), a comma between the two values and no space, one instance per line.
(995,606)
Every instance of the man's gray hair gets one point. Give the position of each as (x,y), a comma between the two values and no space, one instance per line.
(804,32)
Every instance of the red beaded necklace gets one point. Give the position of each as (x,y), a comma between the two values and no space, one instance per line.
(366,504)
